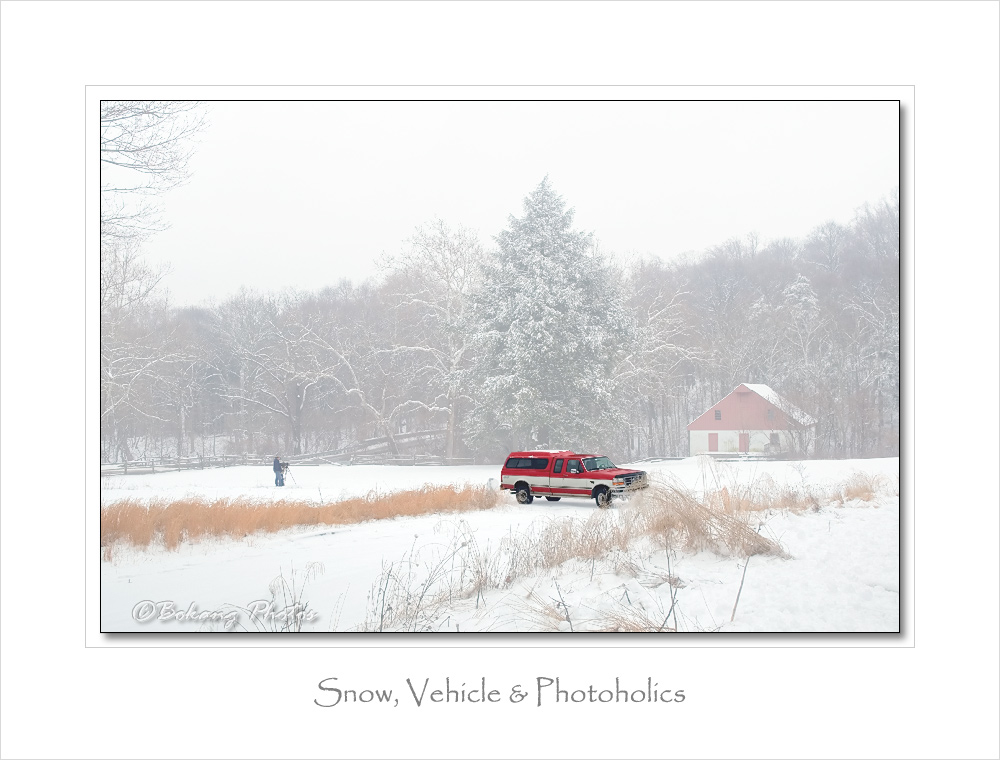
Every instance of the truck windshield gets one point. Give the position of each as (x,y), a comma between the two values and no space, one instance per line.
(598,463)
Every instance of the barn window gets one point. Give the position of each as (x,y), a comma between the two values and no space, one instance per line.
(718,414)
(770,414)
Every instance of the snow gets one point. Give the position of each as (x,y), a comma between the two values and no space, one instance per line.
(781,403)
(842,573)
(319,484)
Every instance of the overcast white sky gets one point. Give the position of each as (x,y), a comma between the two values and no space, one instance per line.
(302,194)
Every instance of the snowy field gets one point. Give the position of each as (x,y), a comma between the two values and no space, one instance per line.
(842,572)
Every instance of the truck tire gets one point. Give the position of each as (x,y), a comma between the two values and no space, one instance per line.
(603,497)
(553,498)
(523,494)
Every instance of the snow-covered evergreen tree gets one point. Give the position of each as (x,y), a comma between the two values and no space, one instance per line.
(550,327)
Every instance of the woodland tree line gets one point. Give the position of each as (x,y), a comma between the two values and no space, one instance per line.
(535,338)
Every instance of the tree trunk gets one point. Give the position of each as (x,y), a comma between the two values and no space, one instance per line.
(393,448)
(123,447)
(296,431)
(449,444)
(182,432)
(243,435)
(294,396)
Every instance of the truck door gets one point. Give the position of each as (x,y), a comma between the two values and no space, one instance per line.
(545,482)
(537,474)
(576,480)
(556,479)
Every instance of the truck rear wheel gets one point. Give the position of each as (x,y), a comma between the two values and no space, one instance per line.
(603,497)
(523,494)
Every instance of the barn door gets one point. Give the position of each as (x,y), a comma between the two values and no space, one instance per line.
(713,441)
(744,443)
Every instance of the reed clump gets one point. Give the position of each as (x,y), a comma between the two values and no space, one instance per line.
(862,486)
(678,518)
(141,523)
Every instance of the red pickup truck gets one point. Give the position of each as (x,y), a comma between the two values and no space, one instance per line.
(554,474)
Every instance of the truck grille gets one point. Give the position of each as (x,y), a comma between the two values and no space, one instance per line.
(633,481)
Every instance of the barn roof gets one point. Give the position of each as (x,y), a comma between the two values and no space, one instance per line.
(780,402)
(791,413)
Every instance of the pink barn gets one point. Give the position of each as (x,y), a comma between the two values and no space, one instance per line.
(753,418)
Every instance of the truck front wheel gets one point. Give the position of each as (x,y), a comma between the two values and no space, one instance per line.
(603,497)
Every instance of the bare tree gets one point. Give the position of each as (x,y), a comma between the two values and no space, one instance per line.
(877,227)
(279,354)
(244,323)
(878,343)
(803,321)
(433,280)
(825,246)
(145,150)
(132,356)
(651,374)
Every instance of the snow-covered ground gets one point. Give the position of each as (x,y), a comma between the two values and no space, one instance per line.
(323,483)
(842,573)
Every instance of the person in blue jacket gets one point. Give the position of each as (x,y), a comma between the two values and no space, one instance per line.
(279,473)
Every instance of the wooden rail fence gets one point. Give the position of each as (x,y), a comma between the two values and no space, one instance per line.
(371,451)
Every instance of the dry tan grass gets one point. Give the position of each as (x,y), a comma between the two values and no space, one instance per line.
(760,495)
(677,518)
(862,486)
(629,619)
(672,516)
(140,524)
(544,615)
